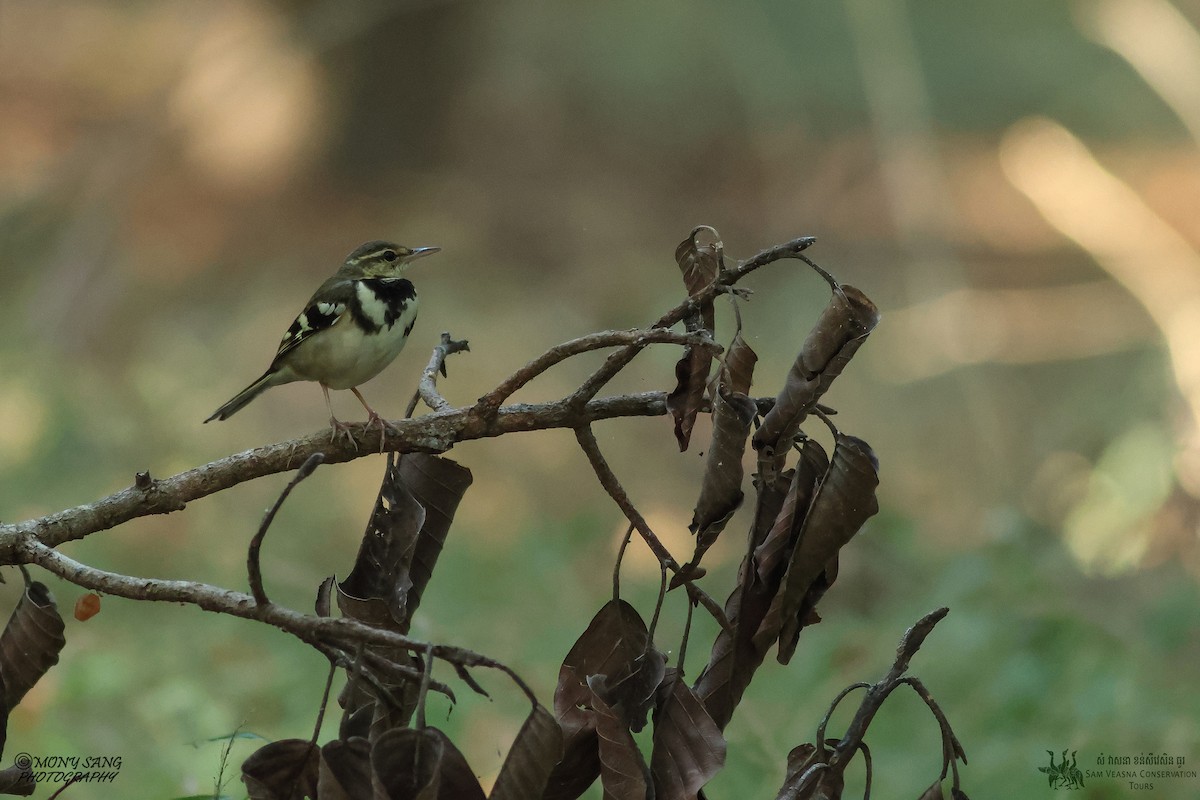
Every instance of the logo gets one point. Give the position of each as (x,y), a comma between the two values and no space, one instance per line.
(1063,775)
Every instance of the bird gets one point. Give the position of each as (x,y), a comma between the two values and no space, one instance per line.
(352,327)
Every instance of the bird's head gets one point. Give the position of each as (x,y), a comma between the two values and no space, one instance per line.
(383,259)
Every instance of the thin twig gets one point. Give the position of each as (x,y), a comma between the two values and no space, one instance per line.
(253,566)
(909,644)
(617,565)
(636,337)
(427,385)
(608,479)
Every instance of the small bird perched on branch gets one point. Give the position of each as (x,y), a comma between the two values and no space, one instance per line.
(350,329)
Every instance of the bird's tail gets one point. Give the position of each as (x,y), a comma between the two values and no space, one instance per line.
(242,398)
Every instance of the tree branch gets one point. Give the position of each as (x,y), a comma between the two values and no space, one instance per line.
(432,433)
(311,629)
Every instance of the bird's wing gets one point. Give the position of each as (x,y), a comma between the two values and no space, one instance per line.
(324,308)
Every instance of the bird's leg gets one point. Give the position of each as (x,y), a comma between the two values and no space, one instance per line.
(339,428)
(373,418)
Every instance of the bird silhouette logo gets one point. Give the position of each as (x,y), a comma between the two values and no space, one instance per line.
(1063,775)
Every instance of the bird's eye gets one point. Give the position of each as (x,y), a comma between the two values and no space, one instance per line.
(389,255)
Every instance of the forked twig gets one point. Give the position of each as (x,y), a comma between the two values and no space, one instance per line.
(608,479)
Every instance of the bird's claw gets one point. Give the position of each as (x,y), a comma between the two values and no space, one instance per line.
(384,427)
(341,429)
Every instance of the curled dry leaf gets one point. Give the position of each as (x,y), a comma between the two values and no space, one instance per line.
(688,746)
(438,484)
(344,772)
(284,770)
(530,760)
(623,772)
(376,590)
(776,548)
(737,370)
(844,501)
(699,258)
(841,329)
(799,778)
(406,764)
(31,642)
(613,663)
(685,400)
(721,490)
(700,263)
(734,657)
(417,501)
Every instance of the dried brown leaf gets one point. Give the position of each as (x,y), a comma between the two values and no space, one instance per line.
(345,770)
(406,764)
(17,780)
(284,770)
(700,263)
(699,260)
(376,590)
(438,484)
(531,759)
(799,761)
(685,400)
(616,646)
(844,501)
(737,371)
(840,330)
(623,771)
(721,489)
(404,538)
(773,553)
(734,657)
(31,642)
(613,657)
(688,746)
(421,764)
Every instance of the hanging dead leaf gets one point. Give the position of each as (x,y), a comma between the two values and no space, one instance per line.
(31,642)
(699,258)
(841,329)
(284,770)
(688,746)
(623,772)
(344,771)
(406,764)
(438,484)
(844,501)
(737,370)
(774,552)
(376,590)
(734,657)
(527,767)
(700,262)
(721,489)
(614,662)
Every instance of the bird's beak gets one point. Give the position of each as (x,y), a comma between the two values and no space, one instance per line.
(421,252)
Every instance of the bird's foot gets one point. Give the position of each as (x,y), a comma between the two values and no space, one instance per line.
(384,426)
(341,429)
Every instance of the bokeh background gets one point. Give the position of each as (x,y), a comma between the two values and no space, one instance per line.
(1015,184)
